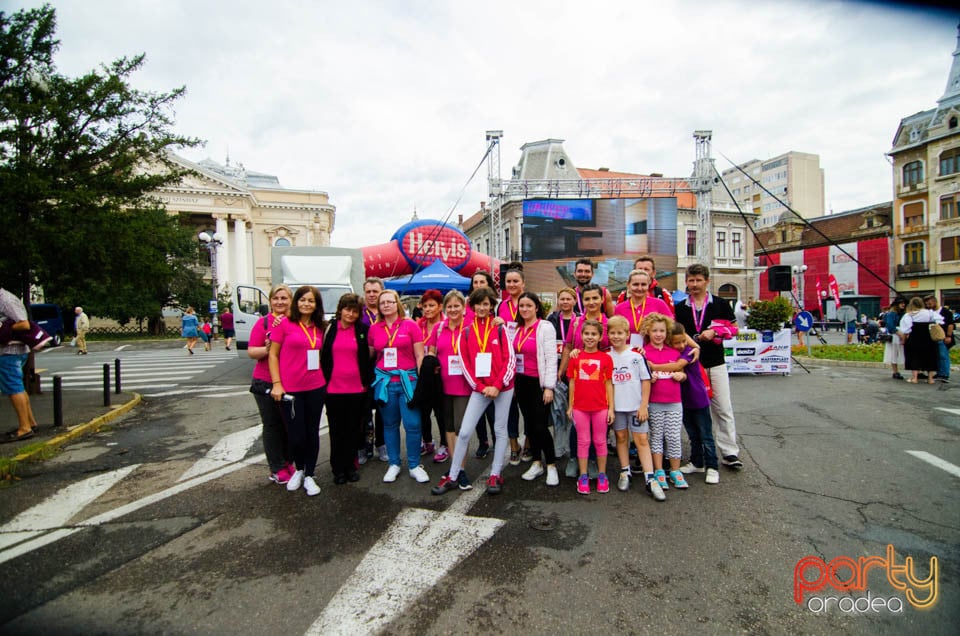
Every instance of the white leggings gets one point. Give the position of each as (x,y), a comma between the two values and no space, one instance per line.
(475,408)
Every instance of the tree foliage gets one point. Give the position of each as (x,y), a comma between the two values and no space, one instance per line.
(78,157)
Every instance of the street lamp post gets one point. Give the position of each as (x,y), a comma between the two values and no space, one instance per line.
(212,243)
(799,271)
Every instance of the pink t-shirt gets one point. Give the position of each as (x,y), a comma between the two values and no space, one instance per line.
(295,341)
(447,343)
(510,313)
(346,368)
(647,306)
(525,344)
(258,338)
(575,334)
(402,335)
(665,390)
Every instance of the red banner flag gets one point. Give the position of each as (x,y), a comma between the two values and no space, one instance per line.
(834,289)
(819,295)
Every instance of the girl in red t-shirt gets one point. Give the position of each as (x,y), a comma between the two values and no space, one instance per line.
(591,404)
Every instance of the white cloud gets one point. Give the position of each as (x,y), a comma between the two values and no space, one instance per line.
(384,104)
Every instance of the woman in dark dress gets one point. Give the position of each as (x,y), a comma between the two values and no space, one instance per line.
(921,351)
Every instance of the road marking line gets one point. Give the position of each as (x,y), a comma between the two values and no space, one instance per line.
(227,450)
(52,537)
(121,347)
(415,553)
(933,460)
(951,411)
(199,389)
(57,509)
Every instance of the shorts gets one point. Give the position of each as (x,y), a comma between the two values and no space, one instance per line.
(623,420)
(11,373)
(851,327)
(454,406)
(229,333)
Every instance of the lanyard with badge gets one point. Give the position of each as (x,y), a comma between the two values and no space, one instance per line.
(512,309)
(636,340)
(313,354)
(390,352)
(484,360)
(698,322)
(453,361)
(521,339)
(563,333)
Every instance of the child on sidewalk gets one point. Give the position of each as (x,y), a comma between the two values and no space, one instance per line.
(696,411)
(591,404)
(666,408)
(631,399)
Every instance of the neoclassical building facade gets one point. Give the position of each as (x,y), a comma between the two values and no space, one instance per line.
(250,212)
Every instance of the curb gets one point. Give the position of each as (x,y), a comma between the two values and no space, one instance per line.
(858,364)
(93,425)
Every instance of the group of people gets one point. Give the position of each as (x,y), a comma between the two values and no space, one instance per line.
(472,362)
(918,335)
(194,329)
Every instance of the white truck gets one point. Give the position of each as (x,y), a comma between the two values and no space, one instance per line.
(334,271)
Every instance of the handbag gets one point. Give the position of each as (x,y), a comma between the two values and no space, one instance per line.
(937,334)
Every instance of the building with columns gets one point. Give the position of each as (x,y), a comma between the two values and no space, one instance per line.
(251,212)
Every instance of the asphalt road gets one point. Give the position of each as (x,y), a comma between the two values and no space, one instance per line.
(827,475)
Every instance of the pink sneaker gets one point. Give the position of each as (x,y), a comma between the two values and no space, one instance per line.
(603,484)
(441,455)
(282,476)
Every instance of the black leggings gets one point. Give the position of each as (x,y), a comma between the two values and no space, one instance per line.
(303,427)
(536,417)
(346,415)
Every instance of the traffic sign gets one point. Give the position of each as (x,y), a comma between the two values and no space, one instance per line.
(846,313)
(213,306)
(803,321)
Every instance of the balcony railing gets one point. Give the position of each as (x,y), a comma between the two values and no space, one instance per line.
(912,269)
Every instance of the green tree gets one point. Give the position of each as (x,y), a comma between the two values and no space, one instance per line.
(78,157)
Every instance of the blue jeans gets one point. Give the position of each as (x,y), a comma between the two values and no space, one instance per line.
(943,362)
(699,427)
(393,412)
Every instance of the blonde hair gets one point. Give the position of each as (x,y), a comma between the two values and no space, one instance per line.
(454,294)
(276,288)
(653,318)
(401,309)
(618,322)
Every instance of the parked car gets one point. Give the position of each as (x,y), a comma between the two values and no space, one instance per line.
(50,319)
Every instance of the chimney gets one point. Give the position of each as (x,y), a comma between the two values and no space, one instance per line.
(460,220)
(601,169)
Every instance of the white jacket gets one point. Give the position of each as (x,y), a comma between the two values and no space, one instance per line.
(547,354)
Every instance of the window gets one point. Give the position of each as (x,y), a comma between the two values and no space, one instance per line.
(912,173)
(949,161)
(950,248)
(691,242)
(948,208)
(282,242)
(913,254)
(736,245)
(952,123)
(913,216)
(721,244)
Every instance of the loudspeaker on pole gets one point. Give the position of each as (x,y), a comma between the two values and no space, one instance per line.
(779,278)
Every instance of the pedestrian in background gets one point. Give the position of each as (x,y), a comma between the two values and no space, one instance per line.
(82,324)
(920,349)
(12,358)
(943,346)
(275,445)
(190,329)
(893,353)
(226,326)
(206,329)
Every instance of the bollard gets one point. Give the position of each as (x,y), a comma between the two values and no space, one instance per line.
(106,385)
(57,401)
(116,375)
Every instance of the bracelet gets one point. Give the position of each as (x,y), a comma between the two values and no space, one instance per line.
(277,382)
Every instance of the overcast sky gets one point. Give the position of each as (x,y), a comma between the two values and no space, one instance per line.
(384,104)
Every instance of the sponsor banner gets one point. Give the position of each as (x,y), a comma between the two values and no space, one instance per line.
(758,352)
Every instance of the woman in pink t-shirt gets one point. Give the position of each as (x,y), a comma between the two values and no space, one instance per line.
(274,429)
(514,282)
(345,360)
(444,343)
(397,345)
(430,303)
(640,303)
(299,383)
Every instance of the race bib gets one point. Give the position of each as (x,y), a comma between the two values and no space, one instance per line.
(559,347)
(519,363)
(511,331)
(484,364)
(621,377)
(453,365)
(390,358)
(313,359)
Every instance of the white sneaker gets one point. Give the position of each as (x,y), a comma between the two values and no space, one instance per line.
(392,473)
(688,468)
(713,476)
(296,480)
(656,490)
(419,474)
(382,453)
(311,486)
(535,470)
(623,482)
(553,479)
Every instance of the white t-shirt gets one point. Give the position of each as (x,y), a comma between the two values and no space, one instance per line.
(629,370)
